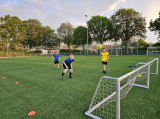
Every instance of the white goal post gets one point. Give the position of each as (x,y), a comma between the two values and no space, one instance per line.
(153,50)
(141,81)
(114,51)
(105,103)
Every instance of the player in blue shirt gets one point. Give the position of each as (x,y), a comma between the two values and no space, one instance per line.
(56,58)
(67,64)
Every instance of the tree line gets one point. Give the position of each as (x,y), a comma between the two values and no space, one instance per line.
(124,24)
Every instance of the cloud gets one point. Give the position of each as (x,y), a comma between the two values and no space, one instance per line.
(149,10)
(55,12)
(5,0)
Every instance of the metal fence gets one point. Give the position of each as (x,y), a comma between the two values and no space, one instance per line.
(18,54)
(153,50)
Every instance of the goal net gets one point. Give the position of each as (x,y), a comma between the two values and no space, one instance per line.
(105,103)
(114,51)
(153,50)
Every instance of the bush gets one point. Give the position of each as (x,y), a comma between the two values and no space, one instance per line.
(76,51)
(36,51)
(64,50)
(67,51)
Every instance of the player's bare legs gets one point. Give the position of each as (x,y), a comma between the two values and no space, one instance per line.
(71,71)
(58,65)
(104,68)
(65,71)
(54,66)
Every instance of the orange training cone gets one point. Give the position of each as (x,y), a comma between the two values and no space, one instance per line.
(3,77)
(84,66)
(16,82)
(108,69)
(32,67)
(31,113)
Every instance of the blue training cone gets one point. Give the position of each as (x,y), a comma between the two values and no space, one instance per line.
(131,66)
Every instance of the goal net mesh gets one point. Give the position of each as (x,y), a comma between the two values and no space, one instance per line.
(106,93)
(103,103)
(114,51)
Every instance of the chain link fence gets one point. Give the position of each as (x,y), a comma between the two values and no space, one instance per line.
(153,50)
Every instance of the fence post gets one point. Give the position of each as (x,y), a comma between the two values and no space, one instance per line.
(156,51)
(157,66)
(148,75)
(121,51)
(117,99)
(116,51)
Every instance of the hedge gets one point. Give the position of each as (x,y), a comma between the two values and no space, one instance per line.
(67,51)
(36,51)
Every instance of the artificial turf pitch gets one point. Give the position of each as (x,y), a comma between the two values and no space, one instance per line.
(41,89)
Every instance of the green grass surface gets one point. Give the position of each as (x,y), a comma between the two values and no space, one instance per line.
(41,89)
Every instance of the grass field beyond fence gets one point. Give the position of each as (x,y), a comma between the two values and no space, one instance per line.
(40,88)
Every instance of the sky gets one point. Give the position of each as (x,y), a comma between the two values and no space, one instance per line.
(55,12)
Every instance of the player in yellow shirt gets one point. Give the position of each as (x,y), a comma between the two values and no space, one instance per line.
(104,59)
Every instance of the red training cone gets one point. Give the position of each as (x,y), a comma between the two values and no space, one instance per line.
(31,113)
(16,82)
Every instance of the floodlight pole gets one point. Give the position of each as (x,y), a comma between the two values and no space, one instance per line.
(87,34)
(101,32)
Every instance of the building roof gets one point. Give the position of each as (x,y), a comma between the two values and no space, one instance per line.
(107,46)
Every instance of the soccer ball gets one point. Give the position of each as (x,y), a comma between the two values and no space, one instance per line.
(99,46)
(139,76)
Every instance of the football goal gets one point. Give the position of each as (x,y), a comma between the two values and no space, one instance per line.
(105,103)
(141,79)
(114,51)
(153,50)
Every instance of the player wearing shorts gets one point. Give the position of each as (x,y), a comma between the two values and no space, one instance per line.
(104,59)
(56,58)
(67,64)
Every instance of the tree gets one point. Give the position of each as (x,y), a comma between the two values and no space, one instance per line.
(141,42)
(16,30)
(4,30)
(13,29)
(80,36)
(34,33)
(65,32)
(156,44)
(155,26)
(127,23)
(24,38)
(99,28)
(49,37)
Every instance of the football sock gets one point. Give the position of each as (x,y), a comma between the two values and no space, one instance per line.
(63,74)
(70,74)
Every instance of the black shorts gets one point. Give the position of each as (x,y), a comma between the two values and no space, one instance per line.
(104,63)
(69,66)
(56,62)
